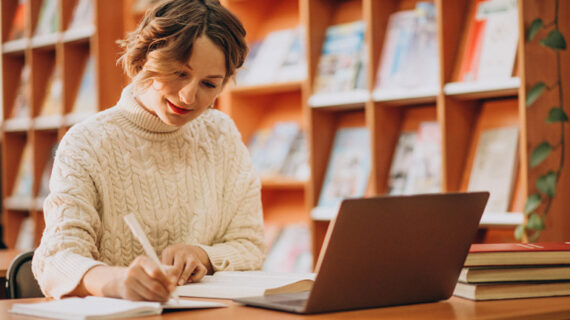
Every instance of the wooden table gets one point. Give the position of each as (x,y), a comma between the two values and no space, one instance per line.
(454,308)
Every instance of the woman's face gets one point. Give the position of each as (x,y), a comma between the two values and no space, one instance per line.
(181,99)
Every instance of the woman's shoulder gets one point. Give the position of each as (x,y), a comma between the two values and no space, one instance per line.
(92,128)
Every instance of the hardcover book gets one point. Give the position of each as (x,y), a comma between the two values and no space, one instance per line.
(53,101)
(540,253)
(515,273)
(82,14)
(495,291)
(49,18)
(21,108)
(425,172)
(18,29)
(86,101)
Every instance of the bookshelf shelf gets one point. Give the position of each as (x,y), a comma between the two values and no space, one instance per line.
(481,90)
(405,97)
(268,88)
(64,50)
(355,98)
(282,183)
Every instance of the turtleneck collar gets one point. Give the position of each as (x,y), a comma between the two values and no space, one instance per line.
(139,116)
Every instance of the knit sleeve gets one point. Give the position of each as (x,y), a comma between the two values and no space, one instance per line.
(72,225)
(242,245)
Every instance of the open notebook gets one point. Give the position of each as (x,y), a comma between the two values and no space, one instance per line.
(104,308)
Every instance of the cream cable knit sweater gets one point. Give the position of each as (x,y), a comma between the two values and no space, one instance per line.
(194,184)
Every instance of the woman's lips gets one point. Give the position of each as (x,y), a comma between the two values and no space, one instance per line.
(176,108)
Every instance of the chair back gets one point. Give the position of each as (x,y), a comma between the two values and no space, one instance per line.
(20,281)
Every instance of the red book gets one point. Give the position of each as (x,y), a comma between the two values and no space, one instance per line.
(473,44)
(497,254)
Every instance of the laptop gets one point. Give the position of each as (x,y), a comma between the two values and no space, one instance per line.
(387,251)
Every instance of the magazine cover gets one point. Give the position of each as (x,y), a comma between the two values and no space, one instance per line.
(348,170)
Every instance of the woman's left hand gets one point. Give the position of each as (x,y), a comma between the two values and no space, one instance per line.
(190,263)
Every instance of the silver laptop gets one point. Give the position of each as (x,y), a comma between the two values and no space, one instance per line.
(386,251)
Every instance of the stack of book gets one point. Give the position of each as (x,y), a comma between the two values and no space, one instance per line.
(515,270)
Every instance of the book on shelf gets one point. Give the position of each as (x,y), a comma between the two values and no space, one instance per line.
(238,284)
(424,175)
(269,148)
(53,101)
(348,170)
(92,307)
(21,107)
(291,250)
(48,21)
(495,167)
(511,290)
(18,28)
(514,273)
(82,15)
(539,253)
(341,58)
(401,162)
(269,58)
(491,41)
(25,175)
(86,101)
(409,58)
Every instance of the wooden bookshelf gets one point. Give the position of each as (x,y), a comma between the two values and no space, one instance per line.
(66,49)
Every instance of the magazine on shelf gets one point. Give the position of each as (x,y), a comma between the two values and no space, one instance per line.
(241,75)
(269,149)
(494,167)
(291,251)
(18,28)
(401,162)
(53,100)
(341,58)
(424,175)
(348,170)
(296,164)
(409,58)
(21,108)
(270,57)
(48,21)
(25,174)
(86,100)
(294,66)
(491,41)
(82,15)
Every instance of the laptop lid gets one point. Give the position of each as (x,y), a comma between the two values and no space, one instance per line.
(390,250)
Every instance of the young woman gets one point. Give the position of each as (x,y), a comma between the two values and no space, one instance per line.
(163,154)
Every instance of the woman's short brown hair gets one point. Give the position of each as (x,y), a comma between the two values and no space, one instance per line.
(164,38)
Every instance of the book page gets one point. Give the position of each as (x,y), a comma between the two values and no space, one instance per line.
(235,284)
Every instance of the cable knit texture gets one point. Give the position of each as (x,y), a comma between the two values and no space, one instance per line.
(192,184)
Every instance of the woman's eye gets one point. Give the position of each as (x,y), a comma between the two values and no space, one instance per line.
(209,84)
(181,74)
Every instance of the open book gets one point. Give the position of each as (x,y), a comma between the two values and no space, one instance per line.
(104,308)
(239,284)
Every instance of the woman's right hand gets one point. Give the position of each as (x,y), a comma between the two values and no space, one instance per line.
(144,280)
(141,280)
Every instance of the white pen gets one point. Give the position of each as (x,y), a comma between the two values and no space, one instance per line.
(137,230)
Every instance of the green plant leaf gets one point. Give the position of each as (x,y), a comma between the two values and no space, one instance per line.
(534,93)
(532,202)
(534,236)
(535,222)
(547,183)
(519,230)
(554,40)
(556,115)
(535,26)
(540,153)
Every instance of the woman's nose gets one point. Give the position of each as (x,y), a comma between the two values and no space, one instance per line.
(188,93)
